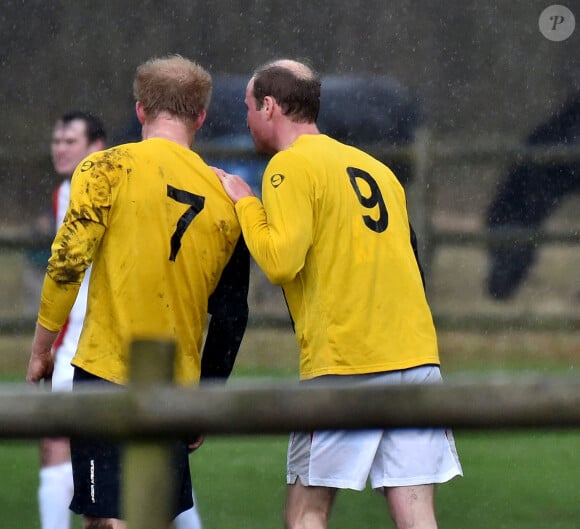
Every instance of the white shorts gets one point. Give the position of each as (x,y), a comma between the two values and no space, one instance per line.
(62,375)
(346,459)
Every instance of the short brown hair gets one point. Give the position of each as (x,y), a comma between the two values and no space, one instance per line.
(172,84)
(294,85)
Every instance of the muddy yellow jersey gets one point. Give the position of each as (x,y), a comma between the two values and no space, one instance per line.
(333,230)
(155,222)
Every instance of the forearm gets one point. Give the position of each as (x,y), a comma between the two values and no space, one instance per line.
(56,301)
(277,251)
(41,363)
(279,245)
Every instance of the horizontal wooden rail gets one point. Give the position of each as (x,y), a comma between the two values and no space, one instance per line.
(162,412)
(503,236)
(25,241)
(439,237)
(444,320)
(501,152)
(421,156)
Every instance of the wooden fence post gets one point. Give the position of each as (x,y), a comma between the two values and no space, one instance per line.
(147,481)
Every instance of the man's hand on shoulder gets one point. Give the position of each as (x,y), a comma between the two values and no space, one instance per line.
(234,185)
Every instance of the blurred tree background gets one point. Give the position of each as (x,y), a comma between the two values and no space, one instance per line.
(477,68)
(480,71)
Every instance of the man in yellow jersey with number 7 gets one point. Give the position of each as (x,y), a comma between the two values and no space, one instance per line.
(165,246)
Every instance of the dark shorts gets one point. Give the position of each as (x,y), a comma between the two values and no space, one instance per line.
(97,470)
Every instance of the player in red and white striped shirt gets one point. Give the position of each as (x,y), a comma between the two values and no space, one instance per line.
(75,135)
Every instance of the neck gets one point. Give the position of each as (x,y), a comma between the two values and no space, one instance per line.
(293,131)
(169,128)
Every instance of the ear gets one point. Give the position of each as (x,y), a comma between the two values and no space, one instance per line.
(140,112)
(200,119)
(268,105)
(97,145)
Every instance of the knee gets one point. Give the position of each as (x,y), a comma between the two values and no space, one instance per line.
(103,523)
(412,507)
(308,507)
(306,520)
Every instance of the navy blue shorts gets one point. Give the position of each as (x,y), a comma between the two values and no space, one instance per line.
(97,470)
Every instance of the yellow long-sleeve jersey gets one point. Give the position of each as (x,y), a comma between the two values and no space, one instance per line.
(155,221)
(334,231)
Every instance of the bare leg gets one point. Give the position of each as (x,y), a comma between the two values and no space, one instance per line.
(107,523)
(412,506)
(308,507)
(103,523)
(54,451)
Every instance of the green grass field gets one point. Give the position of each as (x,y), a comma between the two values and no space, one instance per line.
(525,479)
(515,480)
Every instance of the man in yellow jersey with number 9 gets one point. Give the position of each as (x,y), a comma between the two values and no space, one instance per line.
(333,230)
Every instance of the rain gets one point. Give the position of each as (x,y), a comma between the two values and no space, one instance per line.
(475,106)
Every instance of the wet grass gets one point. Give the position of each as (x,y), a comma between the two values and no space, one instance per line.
(513,479)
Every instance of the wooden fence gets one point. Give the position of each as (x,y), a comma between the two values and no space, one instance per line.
(421,156)
(150,412)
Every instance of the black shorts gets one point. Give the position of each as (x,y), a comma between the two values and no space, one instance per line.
(97,471)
